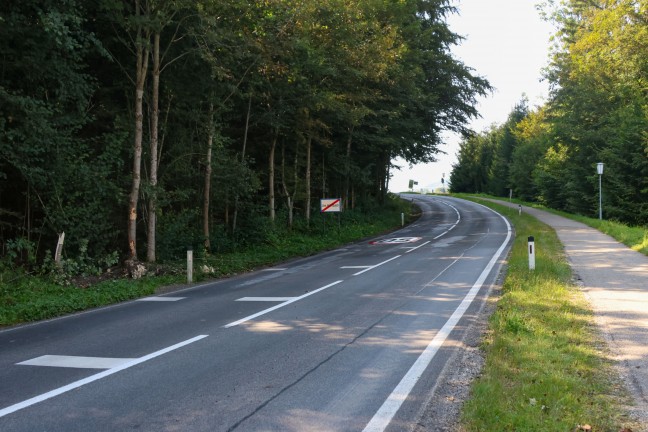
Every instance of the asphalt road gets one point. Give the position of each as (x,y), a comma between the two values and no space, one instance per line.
(349,340)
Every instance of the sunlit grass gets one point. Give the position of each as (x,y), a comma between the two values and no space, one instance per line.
(546,369)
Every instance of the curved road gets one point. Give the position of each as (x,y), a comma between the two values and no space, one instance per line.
(349,340)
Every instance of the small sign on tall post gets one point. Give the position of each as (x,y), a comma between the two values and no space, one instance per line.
(599,171)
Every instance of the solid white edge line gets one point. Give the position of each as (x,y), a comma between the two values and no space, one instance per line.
(286,303)
(377,265)
(56,392)
(392,404)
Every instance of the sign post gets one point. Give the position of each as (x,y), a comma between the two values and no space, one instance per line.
(599,170)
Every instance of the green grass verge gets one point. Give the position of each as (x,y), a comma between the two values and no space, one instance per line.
(32,298)
(25,298)
(545,366)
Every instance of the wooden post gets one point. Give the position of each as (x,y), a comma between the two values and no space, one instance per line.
(190,265)
(59,249)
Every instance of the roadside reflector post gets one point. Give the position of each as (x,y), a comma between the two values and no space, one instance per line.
(520,209)
(531,253)
(190,265)
(402,219)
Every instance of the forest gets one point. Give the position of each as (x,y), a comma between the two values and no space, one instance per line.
(597,112)
(141,127)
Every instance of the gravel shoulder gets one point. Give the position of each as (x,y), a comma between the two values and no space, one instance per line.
(444,407)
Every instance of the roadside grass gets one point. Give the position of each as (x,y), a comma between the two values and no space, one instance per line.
(29,297)
(545,369)
(33,298)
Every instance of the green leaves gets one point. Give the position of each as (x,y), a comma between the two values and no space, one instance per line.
(356,82)
(598,112)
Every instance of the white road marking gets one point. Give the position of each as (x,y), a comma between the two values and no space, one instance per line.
(392,404)
(268,299)
(453,225)
(274,269)
(377,265)
(76,362)
(419,246)
(59,391)
(161,299)
(265,311)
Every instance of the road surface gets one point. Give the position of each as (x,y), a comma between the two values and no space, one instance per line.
(349,340)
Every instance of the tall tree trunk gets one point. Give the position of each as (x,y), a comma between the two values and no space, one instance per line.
(208,174)
(142,53)
(271,175)
(323,176)
(155,115)
(290,197)
(347,169)
(245,136)
(309,143)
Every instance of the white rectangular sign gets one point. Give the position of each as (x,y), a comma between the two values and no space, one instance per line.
(330,205)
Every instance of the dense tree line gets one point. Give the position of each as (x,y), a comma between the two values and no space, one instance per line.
(144,126)
(597,112)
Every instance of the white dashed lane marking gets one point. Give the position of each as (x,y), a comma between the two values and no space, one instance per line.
(265,299)
(76,362)
(161,299)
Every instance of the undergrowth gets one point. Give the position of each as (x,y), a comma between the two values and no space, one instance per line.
(30,296)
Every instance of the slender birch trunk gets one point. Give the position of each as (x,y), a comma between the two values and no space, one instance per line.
(142,53)
(245,136)
(347,168)
(290,197)
(309,143)
(271,175)
(154,163)
(208,174)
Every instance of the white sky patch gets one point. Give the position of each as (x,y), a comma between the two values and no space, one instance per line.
(507,42)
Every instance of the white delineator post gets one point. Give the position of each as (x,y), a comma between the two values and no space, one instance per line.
(531,253)
(402,219)
(189,265)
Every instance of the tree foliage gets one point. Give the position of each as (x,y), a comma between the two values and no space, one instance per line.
(213,118)
(597,112)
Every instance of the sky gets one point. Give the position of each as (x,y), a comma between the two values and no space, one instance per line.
(507,42)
